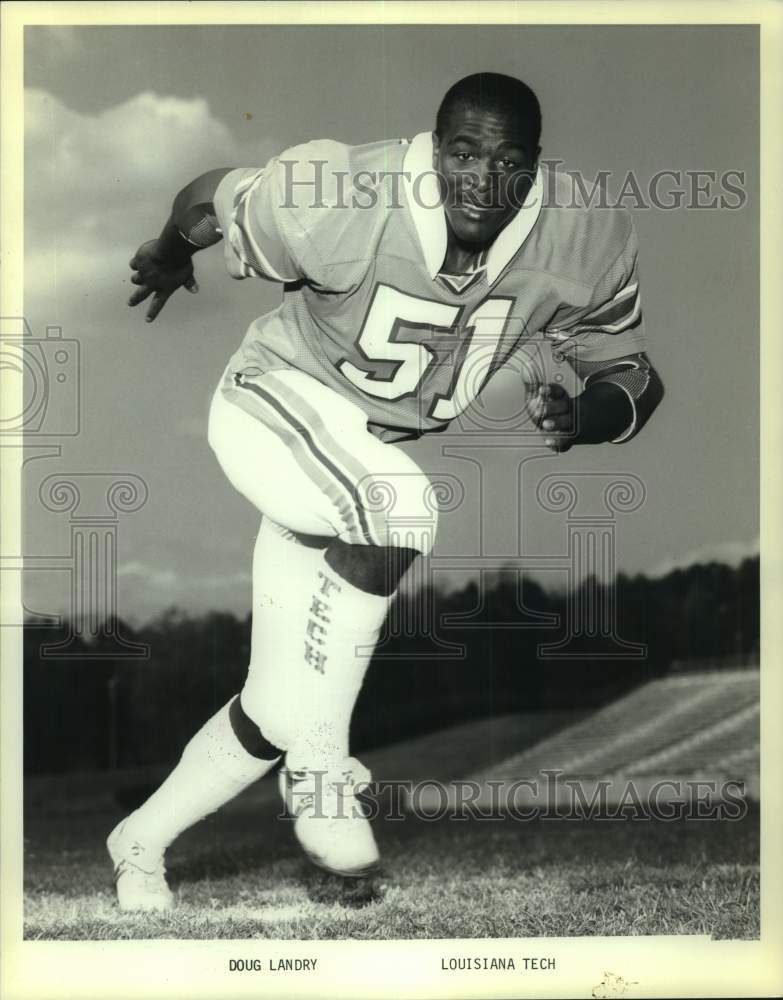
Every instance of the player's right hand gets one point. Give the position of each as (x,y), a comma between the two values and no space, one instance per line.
(158,278)
(552,409)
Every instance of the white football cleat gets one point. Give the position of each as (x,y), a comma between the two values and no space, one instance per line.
(139,873)
(329,822)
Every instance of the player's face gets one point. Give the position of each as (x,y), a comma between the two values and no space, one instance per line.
(485,173)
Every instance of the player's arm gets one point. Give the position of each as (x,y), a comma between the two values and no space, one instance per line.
(619,398)
(264,216)
(163,265)
(604,342)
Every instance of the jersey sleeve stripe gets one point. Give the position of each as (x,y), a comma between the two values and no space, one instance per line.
(625,292)
(611,320)
(607,315)
(612,311)
(622,324)
(250,253)
(247,248)
(246,183)
(252,258)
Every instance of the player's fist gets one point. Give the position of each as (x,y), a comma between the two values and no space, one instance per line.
(552,409)
(158,277)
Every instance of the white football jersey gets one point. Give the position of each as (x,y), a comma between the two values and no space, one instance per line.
(357,237)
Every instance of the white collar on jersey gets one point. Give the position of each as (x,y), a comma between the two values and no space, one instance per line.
(423,194)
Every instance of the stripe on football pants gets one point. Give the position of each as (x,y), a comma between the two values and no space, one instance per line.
(311,459)
(349,468)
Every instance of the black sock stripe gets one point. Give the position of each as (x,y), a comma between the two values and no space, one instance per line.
(249,735)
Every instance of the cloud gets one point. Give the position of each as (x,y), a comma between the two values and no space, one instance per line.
(145,588)
(730,553)
(152,576)
(95,183)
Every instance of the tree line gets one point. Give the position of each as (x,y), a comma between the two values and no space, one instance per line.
(488,653)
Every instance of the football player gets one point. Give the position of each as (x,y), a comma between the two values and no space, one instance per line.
(412,271)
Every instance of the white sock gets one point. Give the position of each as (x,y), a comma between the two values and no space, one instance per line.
(214,768)
(341,632)
(313,636)
(283,574)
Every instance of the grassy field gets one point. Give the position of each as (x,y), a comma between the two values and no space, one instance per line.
(240,875)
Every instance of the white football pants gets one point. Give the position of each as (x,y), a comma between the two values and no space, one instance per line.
(303,456)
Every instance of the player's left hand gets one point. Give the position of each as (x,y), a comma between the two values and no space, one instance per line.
(159,277)
(552,409)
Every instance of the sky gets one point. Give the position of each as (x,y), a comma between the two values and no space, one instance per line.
(119,119)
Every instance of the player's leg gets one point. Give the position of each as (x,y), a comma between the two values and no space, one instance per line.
(223,758)
(320,778)
(290,699)
(229,752)
(302,684)
(378,504)
(379,507)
